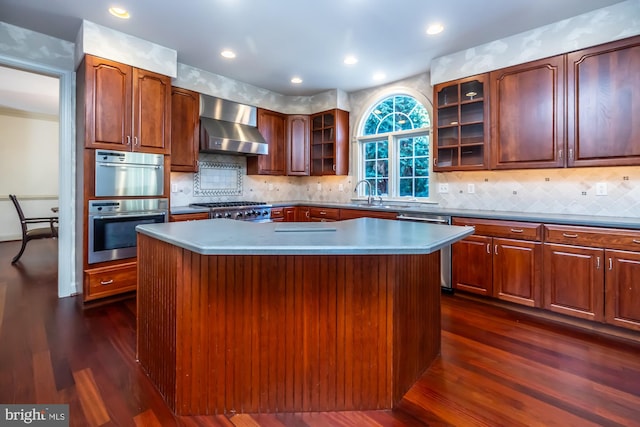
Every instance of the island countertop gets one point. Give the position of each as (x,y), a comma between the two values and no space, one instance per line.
(362,236)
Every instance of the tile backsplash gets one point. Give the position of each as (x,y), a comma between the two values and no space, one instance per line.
(557,191)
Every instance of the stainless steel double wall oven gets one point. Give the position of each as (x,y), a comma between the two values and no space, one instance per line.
(125,184)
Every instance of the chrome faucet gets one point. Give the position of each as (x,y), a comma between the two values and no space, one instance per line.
(370,196)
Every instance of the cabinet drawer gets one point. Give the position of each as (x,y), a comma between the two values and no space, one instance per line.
(324,213)
(112,280)
(189,216)
(508,229)
(277,213)
(612,238)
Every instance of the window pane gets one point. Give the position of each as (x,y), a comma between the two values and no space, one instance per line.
(421,166)
(406,167)
(422,187)
(383,149)
(370,169)
(421,145)
(382,168)
(406,147)
(406,187)
(370,150)
(382,187)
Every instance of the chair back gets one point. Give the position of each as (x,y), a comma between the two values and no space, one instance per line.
(19,209)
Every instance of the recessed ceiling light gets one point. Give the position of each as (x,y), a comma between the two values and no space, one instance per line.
(229,54)
(435,29)
(379,76)
(350,60)
(119,12)
(296,80)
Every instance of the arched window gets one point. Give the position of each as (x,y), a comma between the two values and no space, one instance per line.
(394,148)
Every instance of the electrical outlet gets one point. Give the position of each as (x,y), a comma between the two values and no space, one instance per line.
(471,188)
(601,189)
(270,187)
(174,188)
(340,187)
(443,188)
(319,187)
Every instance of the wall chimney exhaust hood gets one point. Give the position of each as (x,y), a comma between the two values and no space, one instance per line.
(227,127)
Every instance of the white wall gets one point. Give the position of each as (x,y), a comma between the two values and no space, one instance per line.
(28,167)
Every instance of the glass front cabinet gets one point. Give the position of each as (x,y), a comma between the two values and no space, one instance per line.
(461,128)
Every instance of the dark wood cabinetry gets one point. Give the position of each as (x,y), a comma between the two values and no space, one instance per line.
(185,137)
(123,108)
(297,145)
(527,115)
(461,131)
(503,259)
(603,87)
(102,282)
(188,216)
(272,126)
(330,143)
(592,273)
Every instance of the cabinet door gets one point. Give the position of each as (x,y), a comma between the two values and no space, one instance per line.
(517,272)
(151,112)
(623,289)
(603,87)
(297,145)
(461,130)
(272,126)
(574,281)
(472,267)
(107,103)
(527,115)
(185,138)
(290,214)
(303,214)
(329,143)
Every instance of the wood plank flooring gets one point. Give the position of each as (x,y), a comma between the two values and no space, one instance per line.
(498,368)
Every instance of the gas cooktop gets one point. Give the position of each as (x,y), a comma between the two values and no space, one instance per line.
(227,204)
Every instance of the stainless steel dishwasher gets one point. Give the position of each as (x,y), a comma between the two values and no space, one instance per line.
(445,253)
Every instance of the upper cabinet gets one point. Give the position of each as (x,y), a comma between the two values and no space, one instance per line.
(125,108)
(297,145)
(272,126)
(603,88)
(185,137)
(527,115)
(330,143)
(461,131)
(570,110)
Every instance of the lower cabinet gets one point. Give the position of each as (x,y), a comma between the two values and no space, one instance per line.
(188,216)
(111,280)
(365,213)
(593,273)
(502,260)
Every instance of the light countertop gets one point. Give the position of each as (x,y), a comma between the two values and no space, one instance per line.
(362,236)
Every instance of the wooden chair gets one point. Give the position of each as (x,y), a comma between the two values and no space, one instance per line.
(34,233)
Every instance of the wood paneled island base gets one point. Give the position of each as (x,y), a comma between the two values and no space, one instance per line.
(284,333)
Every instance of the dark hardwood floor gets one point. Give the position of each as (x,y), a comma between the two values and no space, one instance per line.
(498,368)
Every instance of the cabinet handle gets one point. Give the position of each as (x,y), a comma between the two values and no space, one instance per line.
(517,230)
(128,140)
(597,263)
(571,154)
(495,249)
(135,141)
(306,214)
(334,168)
(560,154)
(610,264)
(636,241)
(488,248)
(572,236)
(323,213)
(106,282)
(435,161)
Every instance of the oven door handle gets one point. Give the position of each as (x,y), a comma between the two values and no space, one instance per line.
(420,219)
(139,214)
(130,165)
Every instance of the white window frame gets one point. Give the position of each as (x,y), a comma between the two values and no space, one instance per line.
(392,138)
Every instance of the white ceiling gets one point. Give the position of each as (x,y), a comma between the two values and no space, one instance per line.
(278,39)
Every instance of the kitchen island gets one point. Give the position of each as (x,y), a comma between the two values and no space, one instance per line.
(237,316)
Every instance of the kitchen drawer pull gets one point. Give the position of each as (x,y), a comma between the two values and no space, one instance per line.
(517,230)
(572,236)
(636,241)
(106,282)
(323,213)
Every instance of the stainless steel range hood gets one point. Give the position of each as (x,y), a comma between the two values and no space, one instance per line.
(229,128)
